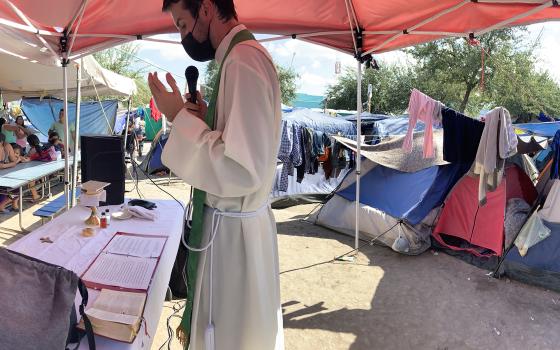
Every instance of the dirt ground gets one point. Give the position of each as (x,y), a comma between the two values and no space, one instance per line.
(382,300)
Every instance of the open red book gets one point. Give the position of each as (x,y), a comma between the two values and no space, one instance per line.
(123,272)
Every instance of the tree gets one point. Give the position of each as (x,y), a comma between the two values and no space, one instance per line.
(450,70)
(391,89)
(121,61)
(286,76)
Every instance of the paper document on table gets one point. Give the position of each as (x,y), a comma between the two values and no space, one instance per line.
(139,246)
(127,272)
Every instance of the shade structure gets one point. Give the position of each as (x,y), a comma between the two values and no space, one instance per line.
(23,78)
(353,26)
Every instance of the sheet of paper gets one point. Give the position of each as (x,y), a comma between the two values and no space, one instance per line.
(121,271)
(143,247)
(111,316)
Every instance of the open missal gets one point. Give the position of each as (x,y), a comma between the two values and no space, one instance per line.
(116,314)
(123,272)
(127,262)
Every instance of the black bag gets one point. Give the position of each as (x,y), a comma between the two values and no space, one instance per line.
(37,304)
(178,280)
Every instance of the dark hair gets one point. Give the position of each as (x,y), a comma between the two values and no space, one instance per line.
(53,134)
(2,121)
(16,147)
(34,142)
(226,8)
(19,116)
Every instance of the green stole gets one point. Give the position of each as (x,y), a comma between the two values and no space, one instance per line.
(199,197)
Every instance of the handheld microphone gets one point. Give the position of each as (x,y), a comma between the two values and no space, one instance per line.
(191,74)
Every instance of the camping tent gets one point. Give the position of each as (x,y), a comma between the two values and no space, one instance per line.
(23,78)
(397,205)
(398,196)
(152,162)
(465,226)
(541,264)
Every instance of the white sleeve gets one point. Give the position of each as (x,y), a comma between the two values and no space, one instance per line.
(229,163)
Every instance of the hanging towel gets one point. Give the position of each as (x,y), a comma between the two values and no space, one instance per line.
(461,136)
(156,114)
(496,145)
(426,109)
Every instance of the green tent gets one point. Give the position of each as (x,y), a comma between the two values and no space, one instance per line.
(152,127)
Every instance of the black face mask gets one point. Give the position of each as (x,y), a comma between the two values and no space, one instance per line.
(198,51)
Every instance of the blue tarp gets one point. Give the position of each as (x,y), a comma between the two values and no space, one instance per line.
(544,255)
(395,126)
(42,113)
(541,129)
(407,196)
(320,122)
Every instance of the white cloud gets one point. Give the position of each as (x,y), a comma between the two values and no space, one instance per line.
(165,50)
(549,51)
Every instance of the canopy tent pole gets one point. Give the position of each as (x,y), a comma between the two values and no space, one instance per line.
(358,154)
(77,133)
(66,133)
(126,123)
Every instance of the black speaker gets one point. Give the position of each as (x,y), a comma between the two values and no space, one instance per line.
(103,160)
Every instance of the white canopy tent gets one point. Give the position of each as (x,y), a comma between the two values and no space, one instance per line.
(21,77)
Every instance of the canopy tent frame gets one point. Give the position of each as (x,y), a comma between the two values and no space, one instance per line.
(356,30)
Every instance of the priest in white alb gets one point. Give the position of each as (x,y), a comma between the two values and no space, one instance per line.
(227,151)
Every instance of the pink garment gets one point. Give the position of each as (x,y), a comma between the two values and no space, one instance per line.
(424,108)
(22,142)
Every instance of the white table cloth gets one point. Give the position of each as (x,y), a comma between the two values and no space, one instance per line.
(76,253)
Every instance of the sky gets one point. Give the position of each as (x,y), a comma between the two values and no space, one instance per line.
(315,64)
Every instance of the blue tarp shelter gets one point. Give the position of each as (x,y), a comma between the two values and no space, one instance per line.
(407,196)
(95,117)
(320,122)
(395,126)
(541,129)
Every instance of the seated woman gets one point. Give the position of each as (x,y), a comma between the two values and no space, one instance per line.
(9,131)
(8,159)
(22,132)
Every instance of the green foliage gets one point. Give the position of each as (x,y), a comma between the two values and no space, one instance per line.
(450,70)
(120,60)
(391,89)
(286,76)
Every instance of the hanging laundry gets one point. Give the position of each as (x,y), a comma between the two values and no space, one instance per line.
(497,143)
(156,114)
(284,154)
(555,171)
(422,108)
(461,136)
(310,156)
